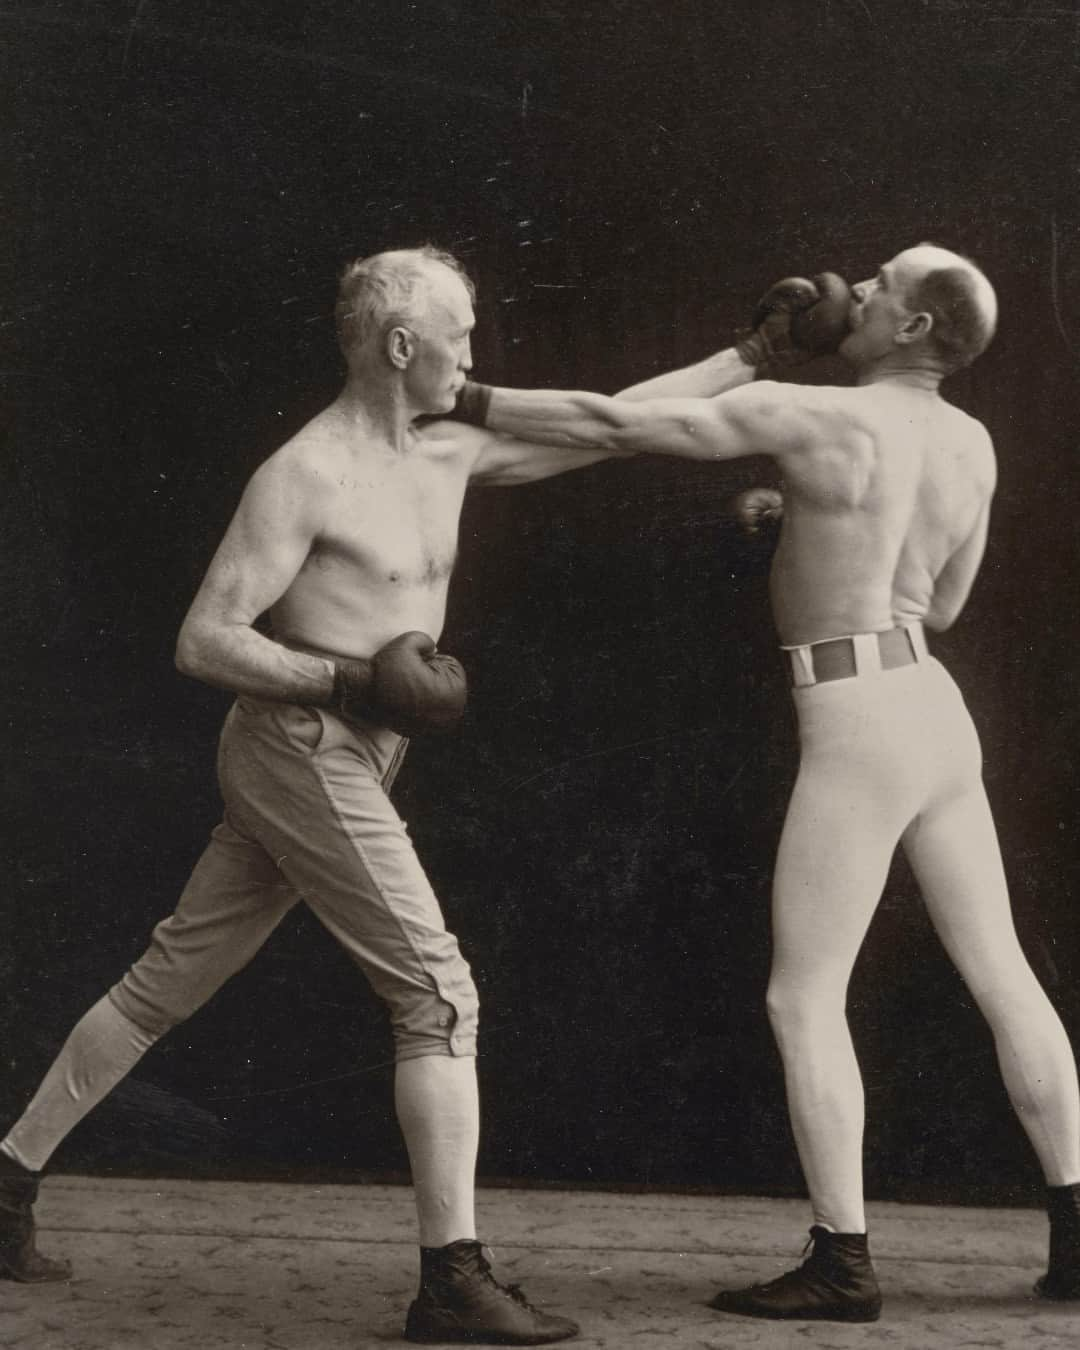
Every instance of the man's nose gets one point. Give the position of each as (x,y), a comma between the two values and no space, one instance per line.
(860,291)
(466,358)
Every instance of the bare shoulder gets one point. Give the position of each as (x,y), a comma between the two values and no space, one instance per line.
(801,416)
(812,399)
(304,471)
(975,444)
(962,451)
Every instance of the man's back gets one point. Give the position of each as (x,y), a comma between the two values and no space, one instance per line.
(890,485)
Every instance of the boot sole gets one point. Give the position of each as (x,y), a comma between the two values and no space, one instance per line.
(858,1313)
(479,1338)
(8,1273)
(1053,1295)
(462,1336)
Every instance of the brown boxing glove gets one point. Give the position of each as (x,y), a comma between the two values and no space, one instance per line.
(796,320)
(758,510)
(407,685)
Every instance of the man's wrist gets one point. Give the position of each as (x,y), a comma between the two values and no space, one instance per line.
(473,402)
(352,683)
(752,350)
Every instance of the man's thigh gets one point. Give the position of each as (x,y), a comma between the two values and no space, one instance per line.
(852,798)
(231,904)
(312,789)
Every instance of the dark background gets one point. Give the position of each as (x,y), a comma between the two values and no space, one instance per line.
(622,179)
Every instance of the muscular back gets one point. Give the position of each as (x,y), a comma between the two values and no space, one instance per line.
(885,511)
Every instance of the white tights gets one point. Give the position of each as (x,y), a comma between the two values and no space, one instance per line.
(891,757)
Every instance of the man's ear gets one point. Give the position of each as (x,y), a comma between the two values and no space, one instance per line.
(914,327)
(400,344)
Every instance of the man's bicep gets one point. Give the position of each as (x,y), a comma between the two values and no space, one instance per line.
(488,454)
(505,461)
(759,419)
(265,545)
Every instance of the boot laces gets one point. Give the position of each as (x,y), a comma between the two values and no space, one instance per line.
(799,1274)
(511,1291)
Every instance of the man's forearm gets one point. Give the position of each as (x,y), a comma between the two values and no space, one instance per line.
(236,657)
(688,428)
(715,375)
(574,420)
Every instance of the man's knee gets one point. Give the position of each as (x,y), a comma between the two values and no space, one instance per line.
(795,1007)
(440,1019)
(153,1011)
(781,1007)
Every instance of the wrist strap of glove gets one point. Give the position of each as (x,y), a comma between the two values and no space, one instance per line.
(752,348)
(352,685)
(768,351)
(472,403)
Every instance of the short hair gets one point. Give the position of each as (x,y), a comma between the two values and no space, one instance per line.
(387,288)
(960,300)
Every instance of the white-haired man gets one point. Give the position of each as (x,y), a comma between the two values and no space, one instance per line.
(887,501)
(346,539)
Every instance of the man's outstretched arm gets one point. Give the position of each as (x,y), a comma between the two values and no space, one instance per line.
(717,374)
(759,419)
(499,460)
(794,321)
(505,457)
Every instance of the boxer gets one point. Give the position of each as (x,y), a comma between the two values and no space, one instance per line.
(345,538)
(885,510)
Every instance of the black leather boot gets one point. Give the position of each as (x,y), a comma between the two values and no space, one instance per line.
(19,1258)
(460,1300)
(836,1283)
(1062,1278)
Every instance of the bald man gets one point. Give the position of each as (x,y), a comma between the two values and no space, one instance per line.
(887,503)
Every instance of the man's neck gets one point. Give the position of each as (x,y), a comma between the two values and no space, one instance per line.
(909,374)
(377,410)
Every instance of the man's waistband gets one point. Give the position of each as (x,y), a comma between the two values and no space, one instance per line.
(843,658)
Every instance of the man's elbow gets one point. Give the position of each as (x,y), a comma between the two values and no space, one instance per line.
(609,426)
(939,620)
(190,654)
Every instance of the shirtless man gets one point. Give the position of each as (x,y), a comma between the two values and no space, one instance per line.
(887,499)
(346,538)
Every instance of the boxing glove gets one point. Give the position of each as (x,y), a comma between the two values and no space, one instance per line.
(472,404)
(796,320)
(758,509)
(407,686)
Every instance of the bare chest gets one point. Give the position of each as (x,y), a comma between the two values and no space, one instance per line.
(397,527)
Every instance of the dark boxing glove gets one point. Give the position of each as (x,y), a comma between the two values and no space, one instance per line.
(407,685)
(758,510)
(796,320)
(472,404)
